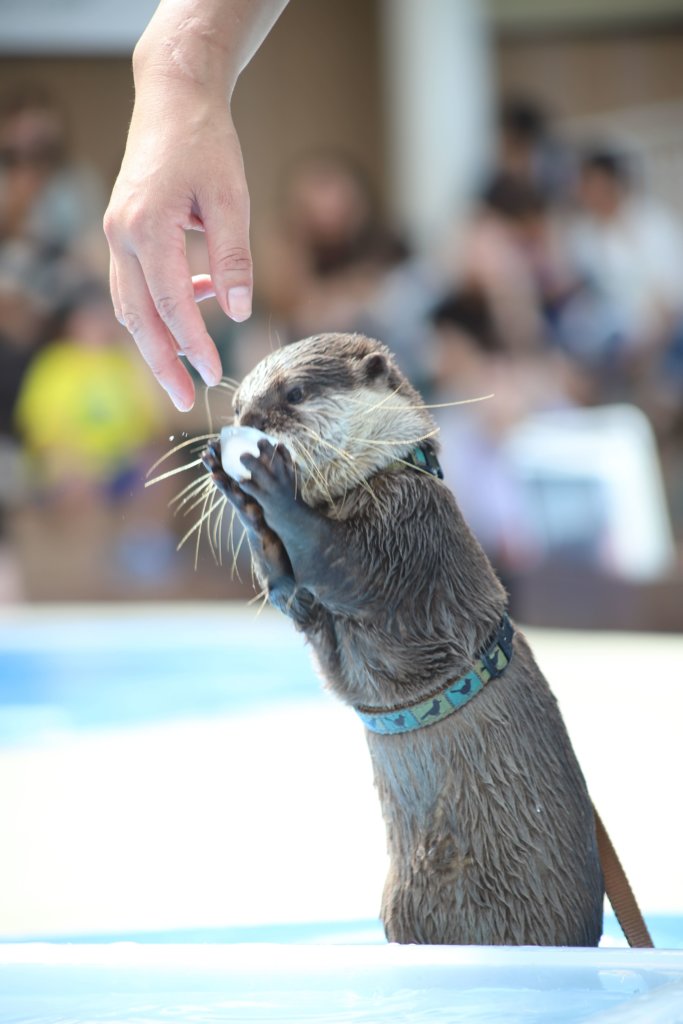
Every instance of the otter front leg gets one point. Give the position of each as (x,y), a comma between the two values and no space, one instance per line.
(270,559)
(316,545)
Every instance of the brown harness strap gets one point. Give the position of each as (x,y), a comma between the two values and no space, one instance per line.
(619,892)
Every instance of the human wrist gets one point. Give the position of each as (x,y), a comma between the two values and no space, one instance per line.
(184,48)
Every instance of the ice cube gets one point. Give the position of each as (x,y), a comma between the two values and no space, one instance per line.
(238,441)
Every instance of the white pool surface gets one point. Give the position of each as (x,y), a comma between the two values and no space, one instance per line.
(178,775)
(338,985)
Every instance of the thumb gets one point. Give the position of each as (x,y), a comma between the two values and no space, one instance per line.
(226,227)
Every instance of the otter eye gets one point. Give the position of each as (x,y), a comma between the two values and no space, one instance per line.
(294,396)
(237,411)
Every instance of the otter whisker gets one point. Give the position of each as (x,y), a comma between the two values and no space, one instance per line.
(352,471)
(377,405)
(356,477)
(229,539)
(321,440)
(209,530)
(197,525)
(174,472)
(201,446)
(177,448)
(251,562)
(262,596)
(219,506)
(183,494)
(375,442)
(235,554)
(442,405)
(197,528)
(226,505)
(411,465)
(230,546)
(207,406)
(198,497)
(369,491)
(263,604)
(270,332)
(215,527)
(278,340)
(461,401)
(298,452)
(312,469)
(205,515)
(218,528)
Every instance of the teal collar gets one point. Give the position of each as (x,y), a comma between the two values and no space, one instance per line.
(422,458)
(491,663)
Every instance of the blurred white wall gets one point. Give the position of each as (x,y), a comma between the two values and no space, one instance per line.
(438,103)
(73,27)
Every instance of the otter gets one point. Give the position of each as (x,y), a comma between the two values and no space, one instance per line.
(354,536)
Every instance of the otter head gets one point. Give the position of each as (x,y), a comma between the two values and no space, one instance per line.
(340,404)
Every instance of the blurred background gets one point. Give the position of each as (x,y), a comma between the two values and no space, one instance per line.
(493,189)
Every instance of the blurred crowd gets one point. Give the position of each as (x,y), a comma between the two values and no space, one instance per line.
(563,290)
(77,416)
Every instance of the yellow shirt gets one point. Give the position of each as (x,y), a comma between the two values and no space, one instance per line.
(86,410)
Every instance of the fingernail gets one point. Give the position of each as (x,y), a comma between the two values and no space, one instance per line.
(239,303)
(181,404)
(210,376)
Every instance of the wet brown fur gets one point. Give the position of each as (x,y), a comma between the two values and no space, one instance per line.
(489,824)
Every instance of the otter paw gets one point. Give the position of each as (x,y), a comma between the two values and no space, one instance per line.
(247,507)
(273,481)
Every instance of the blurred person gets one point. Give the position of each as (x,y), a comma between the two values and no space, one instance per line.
(85,414)
(32,291)
(330,241)
(47,200)
(50,236)
(22,323)
(512,253)
(472,360)
(627,252)
(529,151)
(332,263)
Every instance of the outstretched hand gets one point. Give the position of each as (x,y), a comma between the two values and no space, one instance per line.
(182,170)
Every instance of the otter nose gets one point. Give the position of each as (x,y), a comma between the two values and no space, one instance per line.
(253,418)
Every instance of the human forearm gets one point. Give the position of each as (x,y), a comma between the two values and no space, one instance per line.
(207,43)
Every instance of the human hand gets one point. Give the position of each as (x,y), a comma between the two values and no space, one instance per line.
(182,170)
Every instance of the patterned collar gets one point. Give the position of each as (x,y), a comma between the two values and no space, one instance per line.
(491,663)
(422,458)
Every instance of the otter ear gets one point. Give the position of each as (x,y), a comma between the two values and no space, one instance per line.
(374,365)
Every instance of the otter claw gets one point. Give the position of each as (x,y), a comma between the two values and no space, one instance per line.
(211,456)
(211,460)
